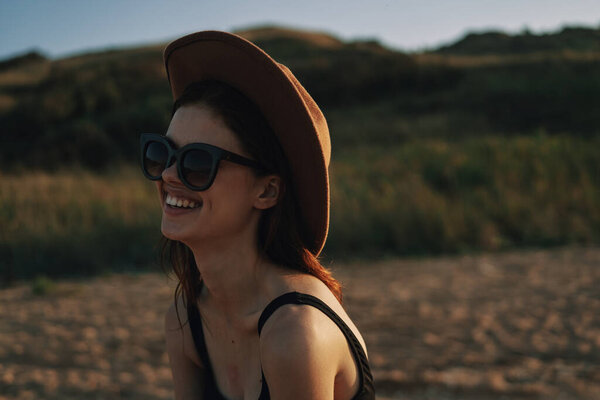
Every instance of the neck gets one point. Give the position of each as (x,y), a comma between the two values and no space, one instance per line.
(233,275)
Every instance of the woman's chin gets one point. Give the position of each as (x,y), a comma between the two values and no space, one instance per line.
(174,232)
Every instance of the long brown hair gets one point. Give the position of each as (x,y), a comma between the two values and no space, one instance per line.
(281,234)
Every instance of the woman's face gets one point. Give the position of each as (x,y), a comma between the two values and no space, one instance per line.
(226,209)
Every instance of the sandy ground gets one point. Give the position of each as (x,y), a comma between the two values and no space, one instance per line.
(519,325)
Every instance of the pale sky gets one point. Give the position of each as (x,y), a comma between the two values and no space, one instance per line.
(62,27)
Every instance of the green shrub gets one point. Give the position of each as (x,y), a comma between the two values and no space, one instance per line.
(42,285)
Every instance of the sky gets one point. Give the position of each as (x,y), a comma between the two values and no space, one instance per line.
(62,27)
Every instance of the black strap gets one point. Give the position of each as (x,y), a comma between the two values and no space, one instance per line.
(211,391)
(365,377)
(198,335)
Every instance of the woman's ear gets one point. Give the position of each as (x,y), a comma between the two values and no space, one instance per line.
(269,191)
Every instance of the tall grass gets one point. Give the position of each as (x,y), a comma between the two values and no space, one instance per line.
(76,222)
(490,193)
(420,197)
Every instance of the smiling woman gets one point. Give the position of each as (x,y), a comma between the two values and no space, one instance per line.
(242,177)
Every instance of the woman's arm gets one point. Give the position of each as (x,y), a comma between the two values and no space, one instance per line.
(188,376)
(301,354)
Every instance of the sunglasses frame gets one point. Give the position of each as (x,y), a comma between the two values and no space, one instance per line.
(177,154)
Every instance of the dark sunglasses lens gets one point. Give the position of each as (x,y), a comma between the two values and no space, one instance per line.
(155,159)
(196,167)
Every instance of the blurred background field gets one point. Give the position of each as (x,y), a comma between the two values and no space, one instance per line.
(486,144)
(484,153)
(422,197)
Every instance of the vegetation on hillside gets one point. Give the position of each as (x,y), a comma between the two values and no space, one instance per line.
(89,109)
(451,151)
(576,39)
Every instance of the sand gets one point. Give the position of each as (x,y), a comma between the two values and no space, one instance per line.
(517,325)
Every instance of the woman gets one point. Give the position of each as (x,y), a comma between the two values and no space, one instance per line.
(242,179)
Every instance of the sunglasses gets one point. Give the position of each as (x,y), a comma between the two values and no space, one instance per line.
(197,163)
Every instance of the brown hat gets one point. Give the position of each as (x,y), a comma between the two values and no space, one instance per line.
(292,114)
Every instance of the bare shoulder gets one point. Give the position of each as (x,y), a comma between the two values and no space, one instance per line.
(311,285)
(300,326)
(175,320)
(173,316)
(301,341)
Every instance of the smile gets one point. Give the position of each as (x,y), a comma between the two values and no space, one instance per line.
(181,203)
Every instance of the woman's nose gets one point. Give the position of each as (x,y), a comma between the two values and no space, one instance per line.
(170,173)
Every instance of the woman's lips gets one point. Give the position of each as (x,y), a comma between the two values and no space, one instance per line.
(175,204)
(170,210)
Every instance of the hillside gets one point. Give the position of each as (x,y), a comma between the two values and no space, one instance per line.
(73,110)
(568,39)
(264,34)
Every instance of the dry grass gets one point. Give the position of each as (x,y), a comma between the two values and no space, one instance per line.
(519,325)
(473,61)
(28,75)
(425,197)
(39,204)
(318,39)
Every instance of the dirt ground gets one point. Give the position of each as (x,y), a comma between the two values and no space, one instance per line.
(518,325)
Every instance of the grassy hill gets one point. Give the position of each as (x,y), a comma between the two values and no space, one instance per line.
(568,39)
(73,110)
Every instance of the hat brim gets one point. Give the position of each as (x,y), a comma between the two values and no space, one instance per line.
(292,114)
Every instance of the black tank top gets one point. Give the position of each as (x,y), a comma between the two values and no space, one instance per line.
(366,390)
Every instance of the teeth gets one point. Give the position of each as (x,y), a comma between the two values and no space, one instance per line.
(184,203)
